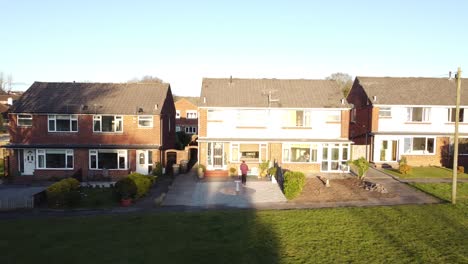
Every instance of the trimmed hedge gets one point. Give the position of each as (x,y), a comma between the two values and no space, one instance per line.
(143,183)
(64,193)
(294,181)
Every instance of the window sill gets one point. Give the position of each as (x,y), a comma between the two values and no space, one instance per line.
(214,121)
(332,122)
(68,169)
(251,127)
(453,123)
(107,169)
(140,127)
(298,162)
(385,117)
(118,133)
(62,131)
(299,128)
(418,123)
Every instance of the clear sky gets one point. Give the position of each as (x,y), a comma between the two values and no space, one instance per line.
(183,41)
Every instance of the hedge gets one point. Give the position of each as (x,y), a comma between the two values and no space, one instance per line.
(63,193)
(143,183)
(294,181)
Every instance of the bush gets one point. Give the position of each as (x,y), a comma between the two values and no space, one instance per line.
(64,193)
(362,166)
(460,169)
(294,181)
(142,182)
(272,171)
(125,189)
(233,171)
(157,170)
(263,166)
(202,167)
(404,169)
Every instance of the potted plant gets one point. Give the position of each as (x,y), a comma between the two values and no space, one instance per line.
(233,171)
(201,171)
(126,190)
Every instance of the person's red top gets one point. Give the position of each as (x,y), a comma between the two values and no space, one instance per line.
(244,168)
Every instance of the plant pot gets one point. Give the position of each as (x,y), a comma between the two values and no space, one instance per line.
(200,172)
(126,202)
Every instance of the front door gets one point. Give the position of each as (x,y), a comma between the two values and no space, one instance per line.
(29,161)
(389,150)
(144,161)
(218,148)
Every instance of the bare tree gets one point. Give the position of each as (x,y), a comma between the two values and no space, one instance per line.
(146,79)
(344,80)
(3,83)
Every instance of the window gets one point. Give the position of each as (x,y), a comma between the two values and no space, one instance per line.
(54,158)
(145,121)
(190,130)
(334,116)
(192,114)
(452,115)
(177,128)
(418,114)
(63,123)
(353,115)
(108,123)
(296,118)
(300,152)
(462,146)
(108,159)
(419,145)
(251,118)
(177,115)
(385,112)
(248,152)
(24,120)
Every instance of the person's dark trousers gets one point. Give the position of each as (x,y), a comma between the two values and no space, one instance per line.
(244,178)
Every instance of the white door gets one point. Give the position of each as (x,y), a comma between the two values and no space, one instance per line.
(218,150)
(389,150)
(29,161)
(144,161)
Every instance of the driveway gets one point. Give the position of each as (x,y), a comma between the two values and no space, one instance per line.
(14,197)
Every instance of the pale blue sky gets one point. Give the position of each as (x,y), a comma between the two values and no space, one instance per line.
(183,41)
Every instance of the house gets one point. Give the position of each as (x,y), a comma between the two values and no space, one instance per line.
(302,124)
(411,117)
(91,130)
(7,100)
(186,114)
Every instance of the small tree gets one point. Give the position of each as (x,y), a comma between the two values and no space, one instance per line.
(344,80)
(362,166)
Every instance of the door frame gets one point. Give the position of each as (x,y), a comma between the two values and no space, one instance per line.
(143,168)
(27,160)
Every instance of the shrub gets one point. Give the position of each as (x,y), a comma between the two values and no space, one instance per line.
(272,171)
(142,182)
(233,171)
(294,181)
(157,170)
(460,169)
(403,161)
(202,167)
(404,169)
(263,166)
(125,188)
(64,193)
(362,166)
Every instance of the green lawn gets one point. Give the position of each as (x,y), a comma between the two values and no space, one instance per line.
(397,234)
(444,190)
(426,172)
(97,198)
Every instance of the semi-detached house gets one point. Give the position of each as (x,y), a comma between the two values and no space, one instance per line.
(91,130)
(411,117)
(302,124)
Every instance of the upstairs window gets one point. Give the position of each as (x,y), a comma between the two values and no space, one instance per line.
(385,112)
(24,120)
(63,123)
(192,114)
(145,121)
(418,114)
(104,123)
(353,115)
(452,115)
(334,116)
(296,118)
(251,118)
(177,114)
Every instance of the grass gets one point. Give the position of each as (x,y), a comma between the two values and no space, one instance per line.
(397,234)
(426,172)
(444,190)
(97,198)
(2,168)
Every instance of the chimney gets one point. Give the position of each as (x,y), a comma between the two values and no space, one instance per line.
(450,75)
(10,101)
(230,80)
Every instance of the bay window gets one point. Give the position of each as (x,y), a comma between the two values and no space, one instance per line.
(300,152)
(108,159)
(54,158)
(419,145)
(62,123)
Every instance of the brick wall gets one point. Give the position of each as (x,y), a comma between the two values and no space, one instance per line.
(202,121)
(182,106)
(345,123)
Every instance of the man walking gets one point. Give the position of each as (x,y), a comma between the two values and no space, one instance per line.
(244,169)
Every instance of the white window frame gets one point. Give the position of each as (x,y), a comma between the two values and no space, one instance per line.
(41,155)
(191,114)
(306,118)
(177,114)
(426,114)
(23,117)
(145,118)
(236,148)
(333,116)
(410,150)
(121,153)
(117,118)
(190,130)
(286,150)
(451,115)
(385,112)
(71,118)
(177,129)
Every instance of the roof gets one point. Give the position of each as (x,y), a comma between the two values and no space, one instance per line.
(92,98)
(412,90)
(297,93)
(192,99)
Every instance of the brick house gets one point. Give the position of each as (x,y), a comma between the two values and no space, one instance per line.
(186,114)
(412,117)
(302,124)
(91,130)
